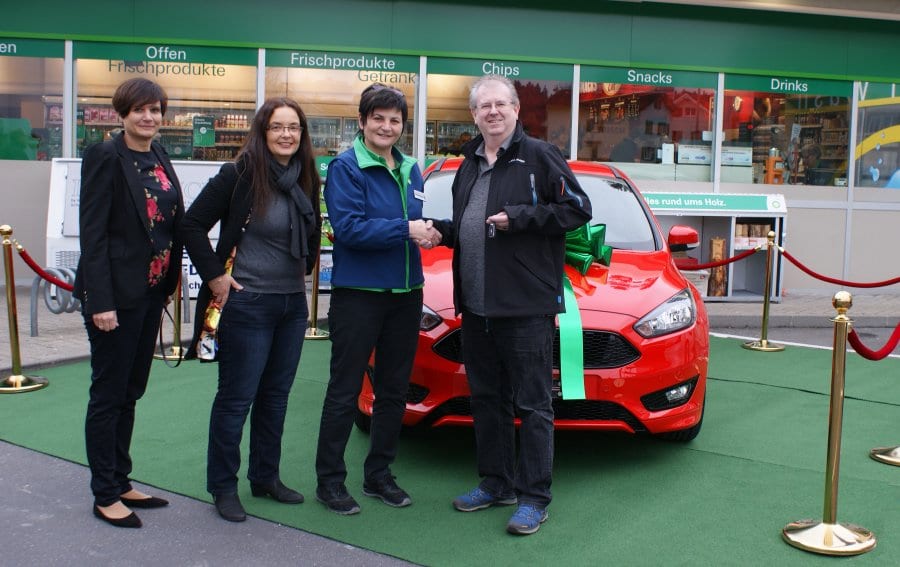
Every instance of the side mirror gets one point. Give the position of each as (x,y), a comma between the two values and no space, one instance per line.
(683,238)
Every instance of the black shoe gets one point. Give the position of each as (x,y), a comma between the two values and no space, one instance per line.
(149,502)
(229,507)
(278,491)
(129,521)
(336,498)
(386,489)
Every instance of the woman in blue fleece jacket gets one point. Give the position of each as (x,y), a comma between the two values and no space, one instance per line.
(374,196)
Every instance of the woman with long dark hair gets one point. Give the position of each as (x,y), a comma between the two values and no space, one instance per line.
(267,201)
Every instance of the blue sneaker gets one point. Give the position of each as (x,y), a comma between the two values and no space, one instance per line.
(527,520)
(478,499)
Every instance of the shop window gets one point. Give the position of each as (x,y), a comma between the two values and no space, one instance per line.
(31,88)
(652,124)
(327,85)
(545,99)
(212,95)
(878,136)
(792,138)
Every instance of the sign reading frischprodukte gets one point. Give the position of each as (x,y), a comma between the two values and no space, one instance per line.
(369,66)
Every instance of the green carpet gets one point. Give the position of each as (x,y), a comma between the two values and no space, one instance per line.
(618,500)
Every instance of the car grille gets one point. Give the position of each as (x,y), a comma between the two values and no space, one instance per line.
(602,349)
(584,410)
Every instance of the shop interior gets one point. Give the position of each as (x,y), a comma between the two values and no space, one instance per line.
(794,139)
(628,123)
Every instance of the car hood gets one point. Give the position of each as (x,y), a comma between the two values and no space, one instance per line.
(633,284)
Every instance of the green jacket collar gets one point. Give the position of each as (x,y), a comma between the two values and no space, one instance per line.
(367,158)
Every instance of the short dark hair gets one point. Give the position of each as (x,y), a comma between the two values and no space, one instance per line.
(379,95)
(138,92)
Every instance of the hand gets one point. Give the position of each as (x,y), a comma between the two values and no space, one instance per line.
(424,234)
(106,321)
(500,220)
(221,287)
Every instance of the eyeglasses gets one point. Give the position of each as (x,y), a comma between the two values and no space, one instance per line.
(500,105)
(292,129)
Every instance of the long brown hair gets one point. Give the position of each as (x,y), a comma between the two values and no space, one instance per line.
(255,155)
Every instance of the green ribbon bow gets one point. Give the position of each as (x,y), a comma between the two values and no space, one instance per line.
(584,246)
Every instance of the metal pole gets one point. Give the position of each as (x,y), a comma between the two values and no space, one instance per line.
(17,382)
(763,343)
(312,331)
(175,352)
(828,537)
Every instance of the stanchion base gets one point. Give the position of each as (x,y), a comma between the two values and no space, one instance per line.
(888,455)
(18,384)
(173,353)
(314,334)
(829,539)
(763,345)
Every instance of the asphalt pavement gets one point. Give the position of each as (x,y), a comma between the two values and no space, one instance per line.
(45,504)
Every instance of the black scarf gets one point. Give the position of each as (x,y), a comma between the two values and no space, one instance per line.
(303,219)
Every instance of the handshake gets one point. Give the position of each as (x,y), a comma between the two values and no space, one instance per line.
(424,234)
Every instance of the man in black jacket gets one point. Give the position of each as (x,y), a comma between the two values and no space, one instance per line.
(514,198)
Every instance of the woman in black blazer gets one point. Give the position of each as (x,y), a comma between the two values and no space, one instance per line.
(130,209)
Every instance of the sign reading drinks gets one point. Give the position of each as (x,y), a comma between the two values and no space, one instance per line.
(512,70)
(31,48)
(163,60)
(716,202)
(787,85)
(662,78)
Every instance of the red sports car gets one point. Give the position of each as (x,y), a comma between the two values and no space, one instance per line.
(645,329)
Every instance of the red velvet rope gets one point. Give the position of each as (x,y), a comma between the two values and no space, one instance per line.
(718,263)
(40,271)
(797,263)
(865,352)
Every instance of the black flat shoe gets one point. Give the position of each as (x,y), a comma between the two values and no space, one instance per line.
(129,521)
(278,491)
(149,502)
(229,507)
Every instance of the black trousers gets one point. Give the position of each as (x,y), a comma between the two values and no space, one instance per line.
(120,367)
(358,322)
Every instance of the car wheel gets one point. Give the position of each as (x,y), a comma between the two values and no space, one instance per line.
(684,435)
(363,421)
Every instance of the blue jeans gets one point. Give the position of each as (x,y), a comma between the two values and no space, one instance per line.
(509,364)
(260,339)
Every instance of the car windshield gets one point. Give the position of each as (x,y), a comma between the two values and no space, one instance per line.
(613,202)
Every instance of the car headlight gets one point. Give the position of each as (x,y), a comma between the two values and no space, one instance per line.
(679,312)
(429,320)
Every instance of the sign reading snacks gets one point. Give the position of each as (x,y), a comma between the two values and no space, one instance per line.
(715,202)
(32,48)
(787,85)
(662,78)
(512,70)
(166,59)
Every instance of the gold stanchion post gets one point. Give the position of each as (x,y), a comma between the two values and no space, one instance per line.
(312,331)
(763,343)
(17,382)
(175,352)
(829,537)
(887,455)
